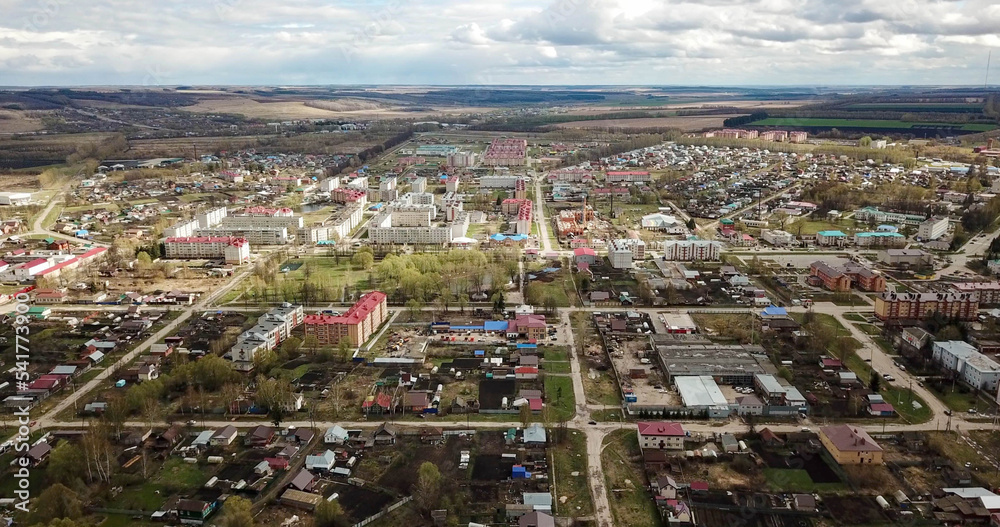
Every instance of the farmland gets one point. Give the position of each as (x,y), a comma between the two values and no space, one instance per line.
(916,107)
(685,123)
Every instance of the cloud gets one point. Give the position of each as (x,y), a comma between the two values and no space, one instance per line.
(494,41)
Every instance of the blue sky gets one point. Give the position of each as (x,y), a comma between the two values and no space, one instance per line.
(760,42)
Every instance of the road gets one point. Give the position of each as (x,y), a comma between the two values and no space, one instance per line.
(710,228)
(37,227)
(543,227)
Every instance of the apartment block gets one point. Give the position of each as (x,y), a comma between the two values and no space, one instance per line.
(974,368)
(271,329)
(932,229)
(989,292)
(232,249)
(357,325)
(631,176)
(915,306)
(506,152)
(692,250)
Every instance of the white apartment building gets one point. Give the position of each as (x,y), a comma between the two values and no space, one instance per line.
(777,238)
(258,236)
(419,185)
(329,184)
(383,230)
(418,198)
(452,206)
(932,229)
(451,184)
(620,255)
(211,218)
(182,229)
(498,181)
(271,330)
(462,159)
(232,249)
(973,368)
(691,250)
(387,189)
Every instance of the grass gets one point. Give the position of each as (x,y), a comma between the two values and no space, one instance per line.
(869,329)
(854,317)
(869,123)
(796,480)
(601,389)
(901,399)
(556,354)
(957,401)
(568,458)
(631,503)
(176,474)
(954,447)
(560,398)
(614,416)
(556,366)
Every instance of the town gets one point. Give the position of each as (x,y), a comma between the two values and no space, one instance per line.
(449,325)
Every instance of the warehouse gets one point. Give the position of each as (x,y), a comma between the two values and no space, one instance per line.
(700,392)
(728,363)
(14,198)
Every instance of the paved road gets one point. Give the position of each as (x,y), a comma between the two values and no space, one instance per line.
(38,228)
(543,226)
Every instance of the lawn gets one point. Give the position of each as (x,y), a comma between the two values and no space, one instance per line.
(631,502)
(560,398)
(568,458)
(868,123)
(901,398)
(854,317)
(556,366)
(814,226)
(957,400)
(328,276)
(796,480)
(178,475)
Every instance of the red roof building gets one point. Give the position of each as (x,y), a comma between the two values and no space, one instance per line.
(660,435)
(357,325)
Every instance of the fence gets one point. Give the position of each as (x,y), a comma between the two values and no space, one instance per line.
(384,511)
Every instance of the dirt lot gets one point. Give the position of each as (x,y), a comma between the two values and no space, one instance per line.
(626,360)
(687,123)
(18,121)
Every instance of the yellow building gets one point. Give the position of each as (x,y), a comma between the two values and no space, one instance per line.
(850,445)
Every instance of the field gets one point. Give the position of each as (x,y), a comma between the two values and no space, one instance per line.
(286,108)
(869,123)
(571,492)
(685,123)
(949,107)
(630,501)
(17,121)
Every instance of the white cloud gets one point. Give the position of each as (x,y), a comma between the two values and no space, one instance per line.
(494,41)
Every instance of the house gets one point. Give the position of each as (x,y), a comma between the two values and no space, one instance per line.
(534,434)
(303,481)
(277,463)
(302,436)
(660,435)
(323,461)
(666,487)
(773,312)
(335,435)
(431,435)
(300,500)
(168,438)
(259,436)
(536,519)
(385,434)
(850,445)
(416,400)
(769,438)
(195,512)
(224,436)
(38,454)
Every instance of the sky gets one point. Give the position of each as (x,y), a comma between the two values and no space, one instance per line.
(495,42)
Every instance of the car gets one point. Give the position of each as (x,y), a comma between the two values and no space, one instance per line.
(972,411)
(947,412)
(806,430)
(591,422)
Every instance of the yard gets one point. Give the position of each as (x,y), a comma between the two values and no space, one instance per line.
(560,398)
(631,502)
(569,475)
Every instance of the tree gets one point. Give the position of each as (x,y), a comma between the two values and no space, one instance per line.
(144,260)
(237,512)
(427,490)
(875,382)
(66,464)
(311,343)
(363,260)
(57,501)
(329,513)
(691,224)
(499,304)
(413,307)
(344,349)
(865,142)
(785,373)
(525,415)
(273,396)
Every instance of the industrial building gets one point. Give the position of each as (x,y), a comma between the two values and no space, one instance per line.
(727,363)
(700,392)
(15,198)
(905,258)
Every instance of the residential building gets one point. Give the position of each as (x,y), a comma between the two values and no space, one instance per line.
(972,367)
(632,176)
(506,152)
(915,306)
(692,250)
(841,278)
(622,252)
(831,238)
(271,329)
(229,248)
(879,239)
(532,327)
(660,435)
(880,216)
(932,229)
(357,325)
(461,159)
(988,292)
(850,445)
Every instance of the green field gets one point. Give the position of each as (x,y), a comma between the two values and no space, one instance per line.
(559,397)
(797,480)
(868,123)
